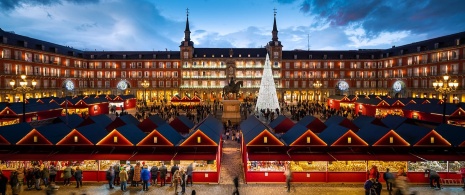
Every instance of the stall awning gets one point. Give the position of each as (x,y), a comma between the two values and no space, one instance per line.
(268,157)
(206,156)
(311,157)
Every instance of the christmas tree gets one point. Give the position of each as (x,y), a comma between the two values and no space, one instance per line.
(267,97)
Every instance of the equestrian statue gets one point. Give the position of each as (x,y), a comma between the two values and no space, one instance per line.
(232,87)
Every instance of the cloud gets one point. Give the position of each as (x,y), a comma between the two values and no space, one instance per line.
(9,5)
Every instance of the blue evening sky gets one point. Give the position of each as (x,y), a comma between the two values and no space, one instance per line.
(141,25)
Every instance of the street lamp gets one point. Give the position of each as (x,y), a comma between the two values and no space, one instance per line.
(145,85)
(317,86)
(23,88)
(445,86)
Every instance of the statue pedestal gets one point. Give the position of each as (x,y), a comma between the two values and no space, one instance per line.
(231,111)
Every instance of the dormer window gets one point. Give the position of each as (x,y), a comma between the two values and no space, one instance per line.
(124,56)
(248,55)
(357,56)
(436,45)
(25,44)
(213,55)
(221,55)
(372,56)
(140,56)
(258,55)
(295,57)
(169,56)
(240,55)
(418,49)
(5,40)
(108,56)
(341,56)
(91,56)
(154,56)
(402,52)
(310,57)
(457,42)
(325,56)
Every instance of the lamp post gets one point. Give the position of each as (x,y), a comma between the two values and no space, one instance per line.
(445,86)
(145,85)
(23,88)
(317,86)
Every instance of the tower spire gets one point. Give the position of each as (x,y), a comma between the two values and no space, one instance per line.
(275,28)
(187,32)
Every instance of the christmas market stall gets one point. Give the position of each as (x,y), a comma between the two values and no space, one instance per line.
(182,124)
(202,149)
(281,124)
(151,123)
(264,155)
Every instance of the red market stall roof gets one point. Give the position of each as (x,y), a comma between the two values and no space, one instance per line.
(163,135)
(433,139)
(185,99)
(182,124)
(312,123)
(299,135)
(206,133)
(363,120)
(72,120)
(342,121)
(196,99)
(453,134)
(151,123)
(175,98)
(93,132)
(391,139)
(281,124)
(336,135)
(255,133)
(54,132)
(412,133)
(74,138)
(34,137)
(14,133)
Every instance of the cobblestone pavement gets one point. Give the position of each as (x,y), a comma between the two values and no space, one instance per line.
(231,163)
(244,189)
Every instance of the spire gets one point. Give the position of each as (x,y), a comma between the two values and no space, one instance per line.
(275,28)
(187,32)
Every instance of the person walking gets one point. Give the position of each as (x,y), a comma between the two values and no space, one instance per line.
(14,182)
(53,172)
(434,178)
(123,178)
(154,174)
(3,183)
(67,175)
(116,167)
(78,177)
(173,170)
(183,176)
(190,171)
(288,174)
(137,170)
(45,176)
(110,176)
(389,178)
(145,176)
(20,175)
(37,176)
(368,186)
(163,172)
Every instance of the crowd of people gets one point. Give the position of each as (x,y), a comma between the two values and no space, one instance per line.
(140,174)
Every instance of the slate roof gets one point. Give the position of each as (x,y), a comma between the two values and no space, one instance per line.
(412,133)
(182,124)
(312,123)
(454,134)
(333,54)
(54,132)
(17,107)
(129,119)
(72,120)
(211,127)
(132,133)
(14,133)
(393,121)
(169,133)
(252,127)
(93,132)
(341,121)
(217,52)
(372,133)
(293,134)
(332,133)
(101,119)
(363,120)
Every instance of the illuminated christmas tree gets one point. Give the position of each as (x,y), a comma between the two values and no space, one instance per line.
(267,97)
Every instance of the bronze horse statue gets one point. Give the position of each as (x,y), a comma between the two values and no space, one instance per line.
(232,88)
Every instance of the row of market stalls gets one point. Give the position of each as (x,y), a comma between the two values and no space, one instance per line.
(176,99)
(341,150)
(97,142)
(52,107)
(415,108)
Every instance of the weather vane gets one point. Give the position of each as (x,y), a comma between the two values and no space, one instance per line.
(274,10)
(187,11)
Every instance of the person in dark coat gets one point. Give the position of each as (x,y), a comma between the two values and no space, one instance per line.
(173,170)
(53,172)
(3,182)
(110,176)
(190,170)
(434,178)
(163,172)
(145,176)
(389,178)
(154,175)
(78,177)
